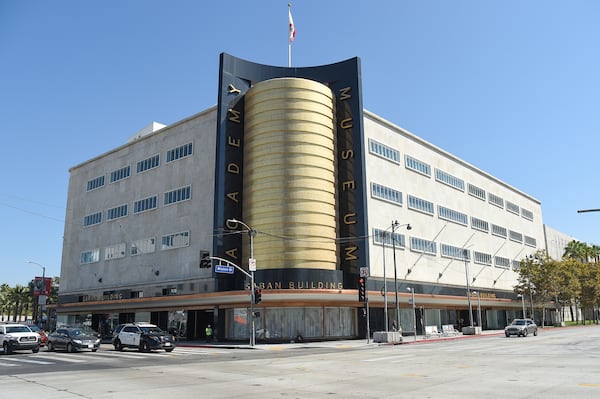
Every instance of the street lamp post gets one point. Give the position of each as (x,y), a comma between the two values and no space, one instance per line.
(385,299)
(478,309)
(43,299)
(408,227)
(414,310)
(468,287)
(251,233)
(522,302)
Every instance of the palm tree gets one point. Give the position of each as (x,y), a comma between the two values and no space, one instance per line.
(4,303)
(577,250)
(18,296)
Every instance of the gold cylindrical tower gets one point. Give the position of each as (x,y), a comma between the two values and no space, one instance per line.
(289,173)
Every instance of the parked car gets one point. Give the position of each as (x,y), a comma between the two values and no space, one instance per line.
(142,336)
(521,327)
(42,333)
(72,340)
(14,336)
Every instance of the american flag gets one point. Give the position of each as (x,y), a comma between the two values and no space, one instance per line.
(292,26)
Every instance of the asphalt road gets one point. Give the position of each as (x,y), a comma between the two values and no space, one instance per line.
(558,363)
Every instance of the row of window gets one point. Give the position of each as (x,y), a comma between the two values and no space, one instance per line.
(139,206)
(446,178)
(139,247)
(152,162)
(382,237)
(388,194)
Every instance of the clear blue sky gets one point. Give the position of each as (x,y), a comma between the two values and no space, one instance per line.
(512,87)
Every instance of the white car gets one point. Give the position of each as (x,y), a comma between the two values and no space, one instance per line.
(521,327)
(15,336)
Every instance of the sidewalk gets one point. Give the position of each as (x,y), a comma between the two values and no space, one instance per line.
(342,344)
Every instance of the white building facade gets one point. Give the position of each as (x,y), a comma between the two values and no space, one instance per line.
(141,218)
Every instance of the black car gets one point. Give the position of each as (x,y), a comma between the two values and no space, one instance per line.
(142,336)
(72,340)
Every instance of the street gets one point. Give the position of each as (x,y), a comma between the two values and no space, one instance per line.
(558,363)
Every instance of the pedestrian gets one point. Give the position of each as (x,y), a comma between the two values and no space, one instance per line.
(394,326)
(209,333)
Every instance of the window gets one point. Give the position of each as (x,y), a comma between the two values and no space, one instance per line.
(502,262)
(380,235)
(526,214)
(136,294)
(95,183)
(499,231)
(116,212)
(179,152)
(482,258)
(496,200)
(418,166)
(92,256)
(176,240)
(452,215)
(145,204)
(511,207)
(514,236)
(450,180)
(178,195)
(94,218)
(450,251)
(148,163)
(420,204)
(516,265)
(530,241)
(114,251)
(120,174)
(476,192)
(384,151)
(479,224)
(143,246)
(386,193)
(421,245)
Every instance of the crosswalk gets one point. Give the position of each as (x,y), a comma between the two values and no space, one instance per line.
(46,358)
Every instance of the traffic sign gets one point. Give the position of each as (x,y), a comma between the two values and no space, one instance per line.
(224,269)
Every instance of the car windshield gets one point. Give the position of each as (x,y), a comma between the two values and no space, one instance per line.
(518,322)
(34,328)
(17,329)
(76,332)
(152,330)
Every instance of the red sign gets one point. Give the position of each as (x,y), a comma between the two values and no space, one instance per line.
(39,288)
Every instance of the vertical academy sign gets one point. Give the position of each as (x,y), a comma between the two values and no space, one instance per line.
(236,76)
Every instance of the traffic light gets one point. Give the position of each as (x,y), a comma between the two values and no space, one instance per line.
(257,295)
(205,261)
(362,289)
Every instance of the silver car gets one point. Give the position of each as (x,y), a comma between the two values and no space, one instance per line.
(521,327)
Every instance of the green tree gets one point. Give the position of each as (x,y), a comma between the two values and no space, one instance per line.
(4,302)
(19,300)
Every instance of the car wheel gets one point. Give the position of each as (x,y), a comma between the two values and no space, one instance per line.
(525,333)
(50,346)
(118,346)
(169,350)
(535,333)
(94,350)
(7,348)
(507,335)
(70,348)
(144,346)
(36,349)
